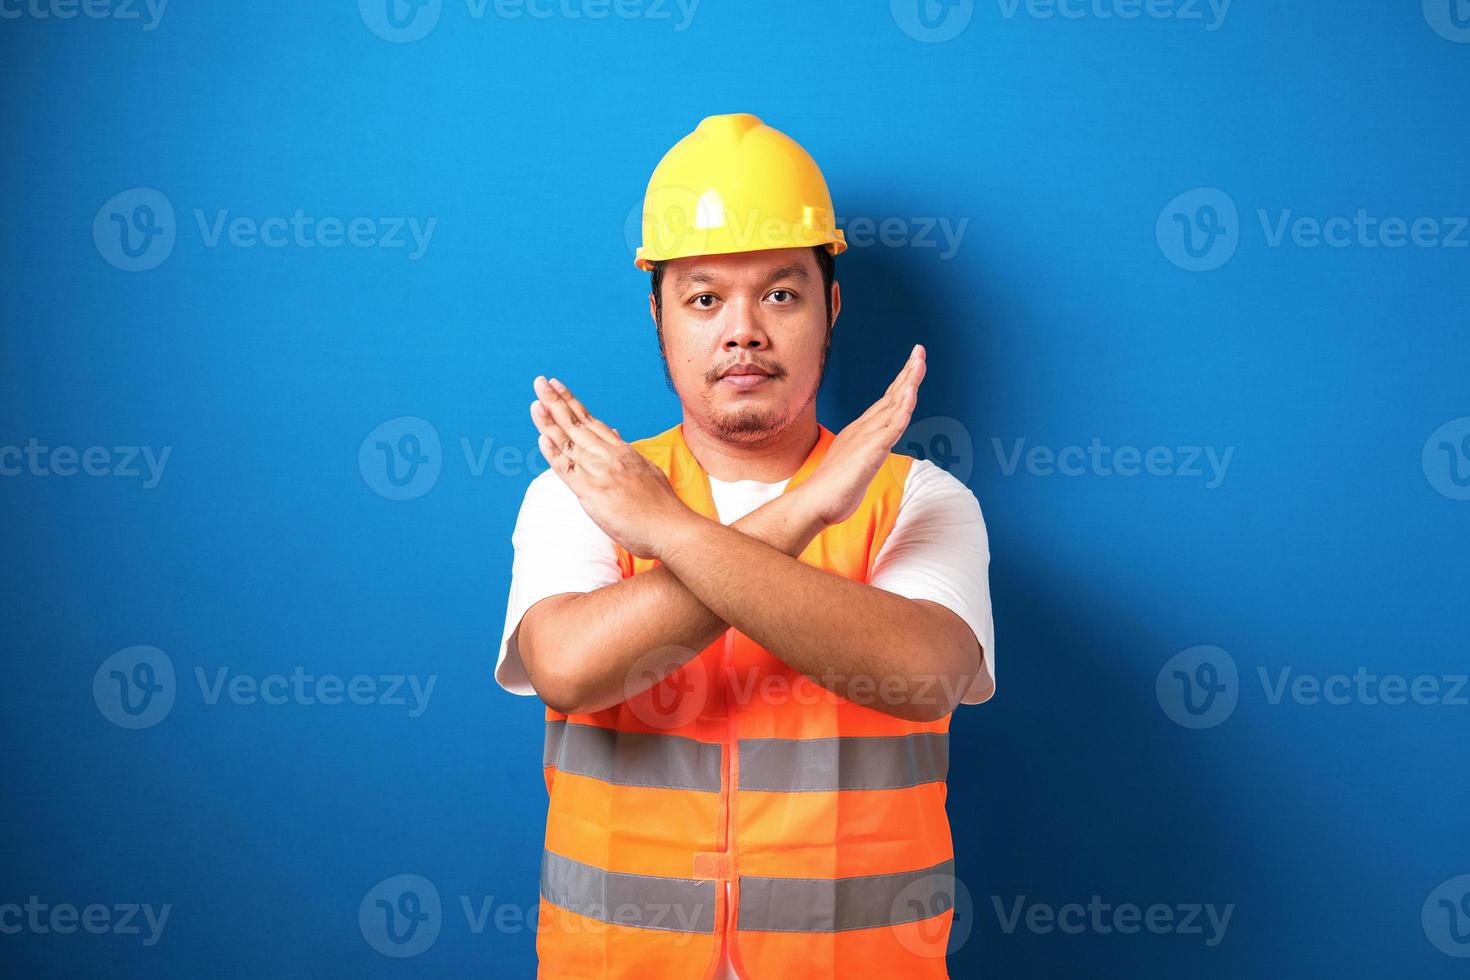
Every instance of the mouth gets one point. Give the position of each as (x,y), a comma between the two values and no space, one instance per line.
(744,377)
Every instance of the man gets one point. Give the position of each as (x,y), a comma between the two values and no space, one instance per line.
(749,632)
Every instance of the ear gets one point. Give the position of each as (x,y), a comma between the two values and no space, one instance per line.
(836,301)
(652,309)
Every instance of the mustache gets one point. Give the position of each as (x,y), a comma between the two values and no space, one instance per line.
(775,371)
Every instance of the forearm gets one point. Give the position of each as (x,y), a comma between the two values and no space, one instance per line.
(604,646)
(895,654)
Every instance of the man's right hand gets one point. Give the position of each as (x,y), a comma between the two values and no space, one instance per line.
(837,486)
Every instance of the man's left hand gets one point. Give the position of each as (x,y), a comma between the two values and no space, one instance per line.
(624,494)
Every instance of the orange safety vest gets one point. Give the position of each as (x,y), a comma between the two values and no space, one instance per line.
(825,817)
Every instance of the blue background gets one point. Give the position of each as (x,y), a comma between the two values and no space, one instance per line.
(1062,317)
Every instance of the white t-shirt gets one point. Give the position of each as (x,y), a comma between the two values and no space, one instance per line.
(938,550)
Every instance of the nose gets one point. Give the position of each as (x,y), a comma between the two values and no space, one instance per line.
(743,328)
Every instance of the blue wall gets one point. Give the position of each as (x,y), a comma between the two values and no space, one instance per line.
(1124,262)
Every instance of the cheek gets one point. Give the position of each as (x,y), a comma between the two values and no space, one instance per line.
(690,335)
(688,351)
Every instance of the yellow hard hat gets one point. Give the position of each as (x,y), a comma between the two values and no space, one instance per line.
(735,185)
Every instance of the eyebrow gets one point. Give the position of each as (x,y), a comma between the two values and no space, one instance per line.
(794,272)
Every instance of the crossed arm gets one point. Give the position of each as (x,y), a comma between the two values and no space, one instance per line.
(911,658)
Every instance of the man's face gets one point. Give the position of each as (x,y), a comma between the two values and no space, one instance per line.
(749,310)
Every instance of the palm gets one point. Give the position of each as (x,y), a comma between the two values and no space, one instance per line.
(861,447)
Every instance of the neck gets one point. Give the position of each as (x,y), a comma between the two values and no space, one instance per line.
(772,459)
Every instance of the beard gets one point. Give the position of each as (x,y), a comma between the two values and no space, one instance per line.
(748,424)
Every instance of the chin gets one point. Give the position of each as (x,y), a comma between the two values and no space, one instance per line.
(748,423)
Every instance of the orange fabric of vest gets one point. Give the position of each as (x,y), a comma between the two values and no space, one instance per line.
(826,817)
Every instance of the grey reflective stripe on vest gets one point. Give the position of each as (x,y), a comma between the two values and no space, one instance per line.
(632,758)
(872,762)
(644,901)
(836,904)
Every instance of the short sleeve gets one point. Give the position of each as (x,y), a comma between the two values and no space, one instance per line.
(558,548)
(939,550)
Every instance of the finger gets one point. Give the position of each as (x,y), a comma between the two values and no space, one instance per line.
(915,360)
(895,411)
(552,440)
(555,402)
(565,465)
(914,368)
(896,387)
(910,377)
(896,421)
(579,411)
(921,368)
(578,455)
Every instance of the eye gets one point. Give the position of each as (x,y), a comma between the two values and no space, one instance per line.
(775,293)
(708,296)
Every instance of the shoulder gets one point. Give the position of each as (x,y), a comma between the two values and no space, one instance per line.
(931,486)
(546,491)
(549,504)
